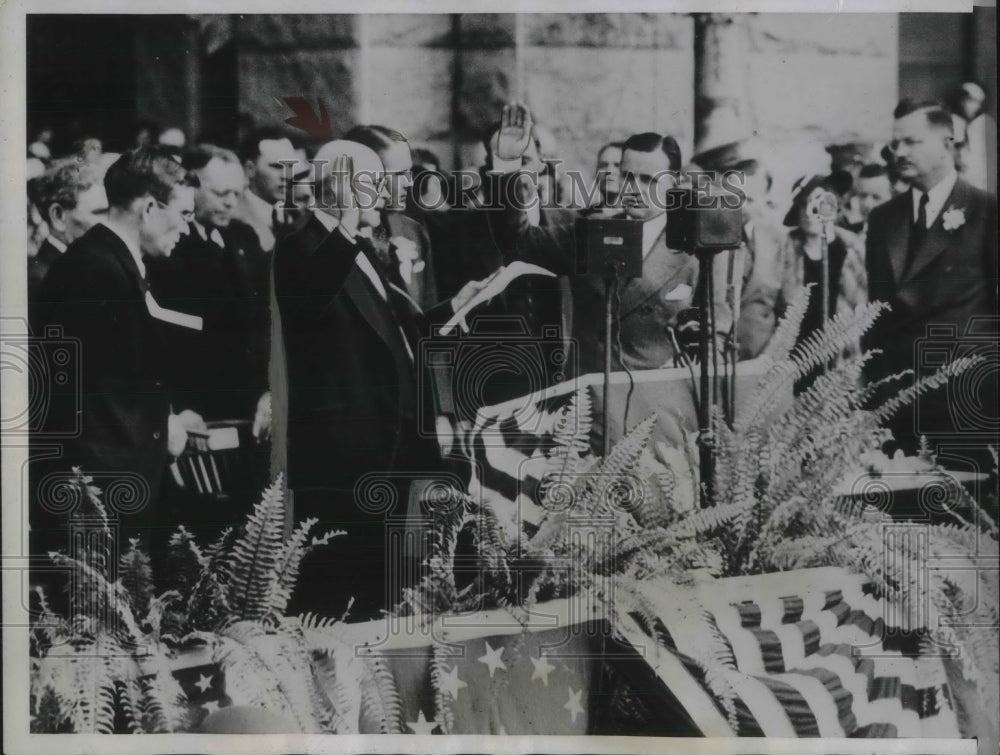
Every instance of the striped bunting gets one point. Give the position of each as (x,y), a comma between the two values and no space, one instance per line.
(823,663)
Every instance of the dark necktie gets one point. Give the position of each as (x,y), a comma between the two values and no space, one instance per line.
(919,229)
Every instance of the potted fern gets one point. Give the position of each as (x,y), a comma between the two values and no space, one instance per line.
(110,664)
(627,522)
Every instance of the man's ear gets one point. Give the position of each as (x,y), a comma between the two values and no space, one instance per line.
(57,216)
(250,168)
(145,206)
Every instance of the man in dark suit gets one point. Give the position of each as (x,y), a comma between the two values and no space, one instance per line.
(218,272)
(510,225)
(932,256)
(71,199)
(265,152)
(97,293)
(355,389)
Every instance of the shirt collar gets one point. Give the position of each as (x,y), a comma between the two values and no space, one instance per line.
(259,207)
(651,231)
(132,247)
(57,243)
(330,223)
(937,195)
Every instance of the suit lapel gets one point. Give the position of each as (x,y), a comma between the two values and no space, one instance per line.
(373,308)
(121,252)
(659,268)
(936,239)
(898,235)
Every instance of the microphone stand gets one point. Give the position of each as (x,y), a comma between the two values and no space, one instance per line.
(709,376)
(610,279)
(825,282)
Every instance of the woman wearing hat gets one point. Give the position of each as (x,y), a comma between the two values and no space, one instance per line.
(802,256)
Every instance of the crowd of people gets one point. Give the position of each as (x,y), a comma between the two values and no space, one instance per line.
(210,283)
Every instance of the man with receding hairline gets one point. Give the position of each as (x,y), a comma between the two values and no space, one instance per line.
(350,340)
(219,273)
(931,254)
(71,199)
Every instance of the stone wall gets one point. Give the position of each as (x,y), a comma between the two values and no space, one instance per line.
(589,77)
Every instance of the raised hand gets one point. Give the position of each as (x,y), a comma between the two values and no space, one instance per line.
(342,179)
(514,136)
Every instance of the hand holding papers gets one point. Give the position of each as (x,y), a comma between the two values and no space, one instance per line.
(487,289)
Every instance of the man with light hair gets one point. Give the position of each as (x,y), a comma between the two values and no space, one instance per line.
(355,390)
(71,199)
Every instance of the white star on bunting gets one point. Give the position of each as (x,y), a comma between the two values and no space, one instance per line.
(211,706)
(422,725)
(203,683)
(542,669)
(492,658)
(573,704)
(450,682)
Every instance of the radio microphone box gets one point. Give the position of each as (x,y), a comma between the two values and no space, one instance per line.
(609,247)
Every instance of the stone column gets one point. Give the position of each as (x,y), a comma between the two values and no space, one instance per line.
(722,110)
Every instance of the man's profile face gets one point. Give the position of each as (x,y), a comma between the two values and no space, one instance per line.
(870,193)
(164,223)
(609,163)
(91,208)
(222,183)
(398,162)
(266,175)
(644,183)
(373,192)
(921,150)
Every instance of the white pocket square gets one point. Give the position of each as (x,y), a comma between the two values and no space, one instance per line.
(682,292)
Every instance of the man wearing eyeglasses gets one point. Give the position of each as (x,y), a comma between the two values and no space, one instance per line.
(932,256)
(97,293)
(219,273)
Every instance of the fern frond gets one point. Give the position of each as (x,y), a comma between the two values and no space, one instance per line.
(707,520)
(930,382)
(288,561)
(380,699)
(184,562)
(137,577)
(786,334)
(255,556)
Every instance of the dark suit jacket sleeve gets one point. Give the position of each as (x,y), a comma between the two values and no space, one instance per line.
(306,280)
(82,297)
(990,251)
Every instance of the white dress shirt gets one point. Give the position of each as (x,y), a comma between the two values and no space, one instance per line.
(215,237)
(58,244)
(936,197)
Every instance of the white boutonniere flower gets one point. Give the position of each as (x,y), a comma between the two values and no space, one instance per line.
(952,219)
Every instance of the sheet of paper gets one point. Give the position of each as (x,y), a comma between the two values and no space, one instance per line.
(223,438)
(494,285)
(172,316)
